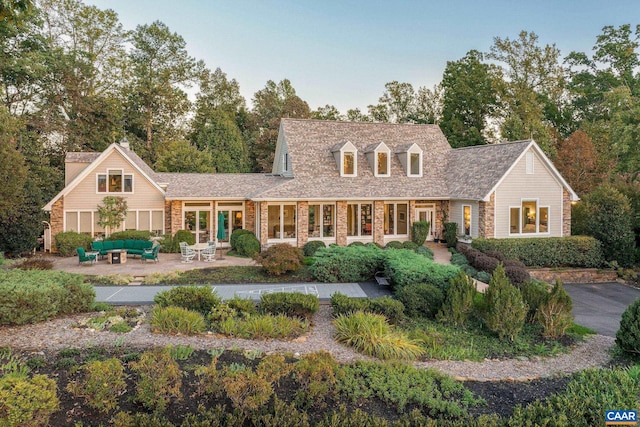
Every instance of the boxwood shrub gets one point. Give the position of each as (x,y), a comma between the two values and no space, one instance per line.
(197,298)
(571,251)
(292,304)
(347,264)
(405,267)
(130,235)
(235,235)
(247,244)
(310,248)
(420,299)
(68,241)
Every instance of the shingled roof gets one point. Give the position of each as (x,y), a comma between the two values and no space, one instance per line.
(216,186)
(316,176)
(474,171)
(81,157)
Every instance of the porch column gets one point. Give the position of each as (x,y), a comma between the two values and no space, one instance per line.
(264,222)
(176,216)
(486,218)
(250,216)
(303,223)
(57,221)
(378,222)
(566,213)
(412,217)
(341,223)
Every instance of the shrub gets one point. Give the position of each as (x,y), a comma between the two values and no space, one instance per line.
(394,244)
(280,259)
(389,307)
(342,304)
(248,245)
(458,301)
(310,248)
(316,373)
(554,314)
(35,263)
(103,383)
(235,235)
(420,299)
(174,320)
(245,306)
(184,236)
(459,259)
(485,263)
(159,379)
(292,304)
(347,264)
(483,276)
(497,255)
(196,298)
(169,245)
(354,244)
(405,267)
(571,251)
(370,334)
(247,390)
(534,294)
(68,241)
(450,234)
(27,401)
(517,275)
(130,235)
(263,326)
(409,245)
(628,336)
(425,251)
(505,310)
(419,232)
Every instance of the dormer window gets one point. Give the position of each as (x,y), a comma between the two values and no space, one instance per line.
(411,158)
(382,164)
(379,158)
(415,161)
(346,156)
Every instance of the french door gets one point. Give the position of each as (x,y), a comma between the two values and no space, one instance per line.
(426,214)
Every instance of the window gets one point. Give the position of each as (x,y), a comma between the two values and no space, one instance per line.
(466,219)
(115,181)
(359,219)
(349,163)
(395,218)
(285,161)
(529,218)
(382,164)
(321,220)
(281,221)
(415,161)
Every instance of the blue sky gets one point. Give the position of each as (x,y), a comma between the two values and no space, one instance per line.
(343,52)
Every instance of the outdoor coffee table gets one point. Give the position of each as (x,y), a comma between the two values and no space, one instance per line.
(117,256)
(199,247)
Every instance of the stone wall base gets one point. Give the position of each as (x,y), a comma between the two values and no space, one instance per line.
(573,275)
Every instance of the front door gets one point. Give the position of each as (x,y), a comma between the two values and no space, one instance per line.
(426,214)
(233,214)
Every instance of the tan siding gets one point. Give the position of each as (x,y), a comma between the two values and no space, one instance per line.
(71,170)
(517,185)
(85,196)
(456,215)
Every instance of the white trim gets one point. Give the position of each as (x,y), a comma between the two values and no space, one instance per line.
(282,239)
(381,148)
(321,225)
(122,174)
(396,215)
(537,232)
(359,234)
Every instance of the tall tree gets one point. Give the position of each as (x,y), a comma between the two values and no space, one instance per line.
(580,164)
(355,115)
(222,140)
(396,105)
(428,105)
(180,156)
(470,100)
(162,70)
(328,112)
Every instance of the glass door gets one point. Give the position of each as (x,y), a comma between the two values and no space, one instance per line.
(230,217)
(426,214)
(198,221)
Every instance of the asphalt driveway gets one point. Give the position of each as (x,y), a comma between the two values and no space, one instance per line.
(599,306)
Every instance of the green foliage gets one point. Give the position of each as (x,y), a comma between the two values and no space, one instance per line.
(244,306)
(317,375)
(347,264)
(394,244)
(420,299)
(130,235)
(370,334)
(247,390)
(112,212)
(103,382)
(389,307)
(159,379)
(68,241)
(505,310)
(184,236)
(342,304)
(174,320)
(405,267)
(235,235)
(280,259)
(221,137)
(181,352)
(410,245)
(169,245)
(450,234)
(292,304)
(248,245)
(31,296)
(180,156)
(425,252)
(458,301)
(310,248)
(262,326)
(26,402)
(196,298)
(572,251)
(554,314)
(628,336)
(589,394)
(459,259)
(534,294)
(419,232)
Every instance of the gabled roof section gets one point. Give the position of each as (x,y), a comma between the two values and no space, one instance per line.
(81,157)
(342,145)
(229,186)
(134,160)
(405,148)
(373,147)
(312,143)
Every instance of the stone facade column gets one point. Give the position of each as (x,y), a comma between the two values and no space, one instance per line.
(341,223)
(167,217)
(442,210)
(303,223)
(378,222)
(486,217)
(250,216)
(566,213)
(56,220)
(176,216)
(264,223)
(412,217)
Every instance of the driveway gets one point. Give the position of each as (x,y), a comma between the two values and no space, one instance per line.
(599,306)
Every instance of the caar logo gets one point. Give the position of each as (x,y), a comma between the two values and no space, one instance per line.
(621,418)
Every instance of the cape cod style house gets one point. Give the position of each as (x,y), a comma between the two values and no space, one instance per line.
(338,182)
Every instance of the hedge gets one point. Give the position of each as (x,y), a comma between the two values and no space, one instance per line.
(68,241)
(571,251)
(31,296)
(130,235)
(404,267)
(347,264)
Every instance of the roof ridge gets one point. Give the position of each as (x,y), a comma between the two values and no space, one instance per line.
(497,144)
(356,123)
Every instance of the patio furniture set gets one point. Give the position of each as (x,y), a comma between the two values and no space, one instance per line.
(205,251)
(116,251)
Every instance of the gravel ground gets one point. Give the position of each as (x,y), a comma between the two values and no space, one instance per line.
(61,333)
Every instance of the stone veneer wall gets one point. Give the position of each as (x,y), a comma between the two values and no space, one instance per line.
(412,217)
(264,220)
(57,221)
(566,213)
(303,223)
(341,223)
(442,207)
(573,275)
(486,217)
(378,222)
(250,216)
(176,216)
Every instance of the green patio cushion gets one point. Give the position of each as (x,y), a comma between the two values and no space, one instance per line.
(107,245)
(97,246)
(118,244)
(129,244)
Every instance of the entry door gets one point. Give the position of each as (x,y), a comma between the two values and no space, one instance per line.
(426,214)
(233,220)
(198,222)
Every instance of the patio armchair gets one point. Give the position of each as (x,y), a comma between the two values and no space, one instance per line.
(187,253)
(209,253)
(150,254)
(86,257)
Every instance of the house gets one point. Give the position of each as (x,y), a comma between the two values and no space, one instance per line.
(339,182)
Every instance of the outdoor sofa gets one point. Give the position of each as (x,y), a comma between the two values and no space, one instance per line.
(133,247)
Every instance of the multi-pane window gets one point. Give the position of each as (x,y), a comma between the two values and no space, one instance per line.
(529,218)
(115,181)
(321,220)
(395,218)
(348,163)
(359,219)
(281,221)
(382,163)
